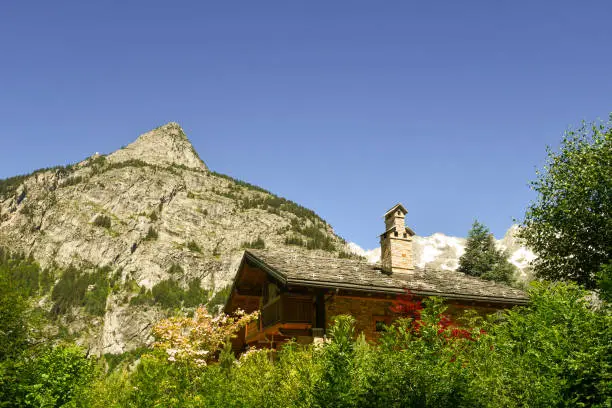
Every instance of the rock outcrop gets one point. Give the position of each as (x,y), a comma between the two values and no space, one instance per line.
(165,146)
(147,211)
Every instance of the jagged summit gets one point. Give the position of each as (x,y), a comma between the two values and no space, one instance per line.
(165,145)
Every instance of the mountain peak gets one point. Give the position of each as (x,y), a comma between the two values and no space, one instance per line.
(165,145)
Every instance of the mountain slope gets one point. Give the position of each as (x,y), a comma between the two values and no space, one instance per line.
(152,213)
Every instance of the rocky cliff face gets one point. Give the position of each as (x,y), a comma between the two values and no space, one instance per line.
(153,213)
(165,146)
(156,218)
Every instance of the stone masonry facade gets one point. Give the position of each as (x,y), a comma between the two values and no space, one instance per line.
(365,311)
(396,242)
(396,252)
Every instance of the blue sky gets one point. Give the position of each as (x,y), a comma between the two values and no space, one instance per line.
(345,107)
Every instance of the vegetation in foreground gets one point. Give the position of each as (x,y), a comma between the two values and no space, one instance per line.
(554,352)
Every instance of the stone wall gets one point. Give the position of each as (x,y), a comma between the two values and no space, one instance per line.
(365,311)
(396,252)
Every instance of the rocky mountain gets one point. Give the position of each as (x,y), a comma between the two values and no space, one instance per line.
(127,238)
(157,223)
(441,251)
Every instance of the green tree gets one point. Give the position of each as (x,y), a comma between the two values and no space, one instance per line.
(482,259)
(569,226)
(13,320)
(554,352)
(52,377)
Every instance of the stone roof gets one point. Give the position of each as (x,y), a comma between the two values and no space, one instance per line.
(397,206)
(303,269)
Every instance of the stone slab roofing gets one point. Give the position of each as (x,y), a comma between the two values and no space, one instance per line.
(302,269)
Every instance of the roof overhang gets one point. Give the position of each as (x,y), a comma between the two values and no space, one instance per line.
(399,290)
(321,284)
(398,206)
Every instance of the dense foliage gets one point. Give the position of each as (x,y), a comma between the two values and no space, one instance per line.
(258,243)
(483,259)
(10,185)
(569,226)
(554,352)
(76,288)
(170,295)
(33,373)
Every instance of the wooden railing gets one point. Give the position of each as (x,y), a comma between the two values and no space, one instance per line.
(287,309)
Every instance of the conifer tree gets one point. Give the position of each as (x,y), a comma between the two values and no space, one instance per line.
(482,259)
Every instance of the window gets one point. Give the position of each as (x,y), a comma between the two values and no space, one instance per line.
(395,232)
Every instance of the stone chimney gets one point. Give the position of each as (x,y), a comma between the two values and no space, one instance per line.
(396,242)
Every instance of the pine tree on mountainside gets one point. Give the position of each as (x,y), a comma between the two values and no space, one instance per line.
(482,259)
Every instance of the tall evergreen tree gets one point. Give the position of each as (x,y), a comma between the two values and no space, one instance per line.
(482,259)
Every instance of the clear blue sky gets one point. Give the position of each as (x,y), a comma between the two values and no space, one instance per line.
(345,107)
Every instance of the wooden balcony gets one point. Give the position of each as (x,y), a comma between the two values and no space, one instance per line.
(286,312)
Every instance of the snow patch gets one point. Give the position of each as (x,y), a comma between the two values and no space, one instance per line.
(442,252)
(372,255)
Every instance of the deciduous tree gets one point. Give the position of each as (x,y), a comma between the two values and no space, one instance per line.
(569,226)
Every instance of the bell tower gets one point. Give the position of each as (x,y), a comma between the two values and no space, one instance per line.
(396,242)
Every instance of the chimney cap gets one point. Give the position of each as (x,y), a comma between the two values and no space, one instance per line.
(396,207)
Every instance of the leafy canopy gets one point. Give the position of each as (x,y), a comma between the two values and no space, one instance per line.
(482,259)
(569,226)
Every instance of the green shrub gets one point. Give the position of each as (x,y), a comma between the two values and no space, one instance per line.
(151,234)
(95,299)
(350,255)
(27,210)
(115,360)
(103,221)
(14,336)
(22,273)
(145,297)
(192,246)
(195,295)
(256,244)
(72,181)
(294,240)
(72,290)
(219,298)
(554,352)
(9,185)
(50,378)
(168,294)
(175,269)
